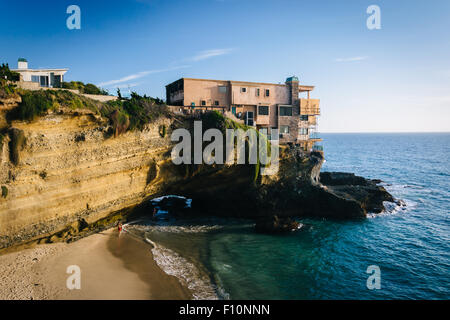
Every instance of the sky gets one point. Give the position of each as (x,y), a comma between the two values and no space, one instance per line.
(393,79)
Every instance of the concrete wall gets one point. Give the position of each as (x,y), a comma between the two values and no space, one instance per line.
(208,90)
(35,86)
(26,74)
(278,94)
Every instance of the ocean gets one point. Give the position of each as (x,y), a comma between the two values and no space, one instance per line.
(226,259)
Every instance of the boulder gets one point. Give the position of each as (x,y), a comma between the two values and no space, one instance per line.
(274,224)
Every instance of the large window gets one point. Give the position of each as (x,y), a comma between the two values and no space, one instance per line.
(304,117)
(285,111)
(222,89)
(44,81)
(303,131)
(34,78)
(263,110)
(284,129)
(267,92)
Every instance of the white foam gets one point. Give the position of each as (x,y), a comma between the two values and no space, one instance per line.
(188,274)
(392,208)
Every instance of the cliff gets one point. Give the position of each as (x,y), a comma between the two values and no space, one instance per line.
(63,172)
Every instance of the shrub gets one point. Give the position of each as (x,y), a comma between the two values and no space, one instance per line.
(16,144)
(162,131)
(37,103)
(7,74)
(33,104)
(4,192)
(7,89)
(88,88)
(139,110)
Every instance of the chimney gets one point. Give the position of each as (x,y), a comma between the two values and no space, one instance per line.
(292,83)
(22,63)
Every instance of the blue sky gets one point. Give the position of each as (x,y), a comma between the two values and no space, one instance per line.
(393,79)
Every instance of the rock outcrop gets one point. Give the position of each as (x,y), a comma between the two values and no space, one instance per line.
(274,224)
(366,193)
(71,170)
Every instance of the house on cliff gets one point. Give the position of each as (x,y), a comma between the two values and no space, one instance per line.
(287,107)
(36,78)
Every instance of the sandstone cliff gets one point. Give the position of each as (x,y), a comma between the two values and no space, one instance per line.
(64,171)
(70,169)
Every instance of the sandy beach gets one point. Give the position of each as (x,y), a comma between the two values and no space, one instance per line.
(112,267)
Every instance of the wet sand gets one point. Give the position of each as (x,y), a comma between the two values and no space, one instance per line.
(112,267)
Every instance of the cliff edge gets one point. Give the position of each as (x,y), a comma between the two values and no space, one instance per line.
(68,169)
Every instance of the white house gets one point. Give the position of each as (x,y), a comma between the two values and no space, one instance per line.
(43,77)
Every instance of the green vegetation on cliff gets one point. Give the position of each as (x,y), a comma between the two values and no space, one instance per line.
(87,88)
(7,74)
(38,103)
(215,119)
(124,114)
(4,191)
(7,89)
(135,111)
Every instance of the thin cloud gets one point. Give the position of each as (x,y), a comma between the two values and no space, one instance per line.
(206,54)
(137,76)
(351,59)
(128,85)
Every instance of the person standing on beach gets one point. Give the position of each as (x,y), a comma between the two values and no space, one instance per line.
(119,227)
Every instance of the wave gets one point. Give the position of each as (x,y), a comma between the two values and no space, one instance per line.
(187,273)
(392,208)
(187,228)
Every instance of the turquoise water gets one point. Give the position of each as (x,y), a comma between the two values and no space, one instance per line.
(329,259)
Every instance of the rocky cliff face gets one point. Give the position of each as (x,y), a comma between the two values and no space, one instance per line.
(69,168)
(66,167)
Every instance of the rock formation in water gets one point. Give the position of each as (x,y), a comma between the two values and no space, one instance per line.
(63,173)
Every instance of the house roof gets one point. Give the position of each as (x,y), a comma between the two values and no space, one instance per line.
(39,70)
(301,87)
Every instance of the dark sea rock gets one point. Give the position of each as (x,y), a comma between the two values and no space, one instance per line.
(365,193)
(273,224)
(297,189)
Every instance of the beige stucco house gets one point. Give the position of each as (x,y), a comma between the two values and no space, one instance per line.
(263,105)
(33,78)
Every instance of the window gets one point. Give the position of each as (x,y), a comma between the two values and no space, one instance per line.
(303,131)
(203,103)
(222,89)
(34,78)
(216,103)
(249,118)
(267,92)
(257,92)
(263,110)
(44,81)
(243,90)
(284,129)
(304,117)
(285,111)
